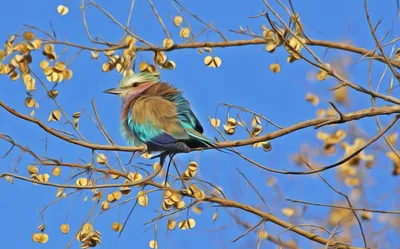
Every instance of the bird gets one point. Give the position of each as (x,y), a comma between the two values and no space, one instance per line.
(156,115)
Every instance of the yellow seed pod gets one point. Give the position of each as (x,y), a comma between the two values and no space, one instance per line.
(153,244)
(117,195)
(52,94)
(178,21)
(64,228)
(215,122)
(105,205)
(101,158)
(62,10)
(56,171)
(33,169)
(116,226)
(171,224)
(168,43)
(40,238)
(276,68)
(60,66)
(28,35)
(289,212)
(29,102)
(143,200)
(82,182)
(184,33)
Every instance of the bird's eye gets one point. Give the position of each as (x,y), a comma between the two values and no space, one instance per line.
(135,84)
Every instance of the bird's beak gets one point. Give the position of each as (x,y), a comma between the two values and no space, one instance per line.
(116,91)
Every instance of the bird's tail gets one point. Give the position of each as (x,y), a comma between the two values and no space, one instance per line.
(206,141)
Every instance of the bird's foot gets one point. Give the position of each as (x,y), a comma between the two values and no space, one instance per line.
(145,149)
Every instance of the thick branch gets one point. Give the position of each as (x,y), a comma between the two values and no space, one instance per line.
(369,112)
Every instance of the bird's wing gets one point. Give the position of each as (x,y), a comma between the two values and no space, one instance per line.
(155,120)
(185,113)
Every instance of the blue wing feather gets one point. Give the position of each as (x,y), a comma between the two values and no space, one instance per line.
(185,113)
(154,136)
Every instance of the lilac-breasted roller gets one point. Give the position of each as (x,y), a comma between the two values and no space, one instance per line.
(155,114)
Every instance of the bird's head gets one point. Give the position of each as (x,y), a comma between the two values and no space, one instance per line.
(134,84)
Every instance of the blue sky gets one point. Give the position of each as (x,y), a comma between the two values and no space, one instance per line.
(244,79)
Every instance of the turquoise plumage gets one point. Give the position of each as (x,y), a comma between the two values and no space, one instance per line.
(157,115)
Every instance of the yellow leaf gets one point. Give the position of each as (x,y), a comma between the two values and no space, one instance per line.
(143,200)
(67,74)
(365,215)
(288,212)
(64,228)
(153,244)
(82,182)
(215,122)
(101,159)
(270,47)
(2,55)
(341,95)
(60,191)
(54,115)
(276,68)
(393,138)
(40,238)
(29,102)
(210,61)
(95,55)
(313,99)
(10,179)
(116,226)
(29,82)
(171,224)
(28,35)
(197,210)
(168,43)
(191,223)
(105,205)
(178,20)
(117,195)
(322,74)
(56,171)
(14,76)
(215,216)
(266,146)
(62,10)
(134,176)
(52,94)
(60,66)
(184,33)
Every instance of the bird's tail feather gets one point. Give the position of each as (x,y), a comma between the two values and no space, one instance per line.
(206,141)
